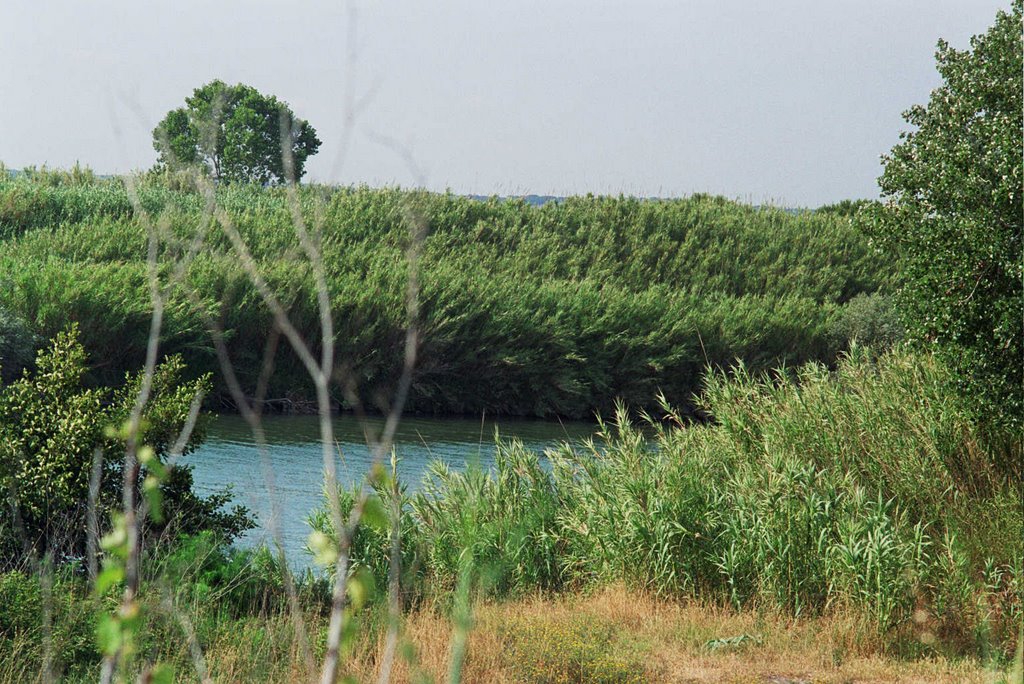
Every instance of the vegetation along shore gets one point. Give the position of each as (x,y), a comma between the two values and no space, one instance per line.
(806,461)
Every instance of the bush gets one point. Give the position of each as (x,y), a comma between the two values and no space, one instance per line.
(869,320)
(51,429)
(504,523)
(204,568)
(370,546)
(73,649)
(22,599)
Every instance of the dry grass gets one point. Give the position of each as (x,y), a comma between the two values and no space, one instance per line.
(613,635)
(669,642)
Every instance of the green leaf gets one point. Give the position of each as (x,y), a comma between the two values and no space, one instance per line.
(109,635)
(111,575)
(154,497)
(325,550)
(374,515)
(161,673)
(116,540)
(361,587)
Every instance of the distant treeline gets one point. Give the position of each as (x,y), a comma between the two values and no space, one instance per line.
(528,310)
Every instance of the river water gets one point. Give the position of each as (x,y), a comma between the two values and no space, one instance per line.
(284,483)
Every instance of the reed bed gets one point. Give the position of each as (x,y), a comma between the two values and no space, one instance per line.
(825,525)
(552,310)
(867,490)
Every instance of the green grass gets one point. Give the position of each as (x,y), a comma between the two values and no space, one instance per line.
(863,501)
(868,489)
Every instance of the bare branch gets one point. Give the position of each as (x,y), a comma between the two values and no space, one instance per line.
(92,520)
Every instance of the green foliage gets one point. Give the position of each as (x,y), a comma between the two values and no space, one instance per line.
(953,214)
(370,546)
(524,310)
(869,320)
(77,175)
(547,651)
(24,602)
(185,512)
(17,346)
(51,428)
(236,133)
(22,599)
(27,204)
(504,522)
(229,594)
(810,491)
(202,567)
(848,208)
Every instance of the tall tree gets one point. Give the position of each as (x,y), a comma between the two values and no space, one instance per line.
(953,215)
(237,134)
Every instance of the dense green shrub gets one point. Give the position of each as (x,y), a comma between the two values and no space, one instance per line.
(227,593)
(559,309)
(22,599)
(370,546)
(51,429)
(17,346)
(868,320)
(203,568)
(848,208)
(73,651)
(505,524)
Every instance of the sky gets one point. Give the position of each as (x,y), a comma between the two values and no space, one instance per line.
(789,102)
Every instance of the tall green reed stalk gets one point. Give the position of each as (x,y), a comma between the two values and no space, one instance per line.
(810,491)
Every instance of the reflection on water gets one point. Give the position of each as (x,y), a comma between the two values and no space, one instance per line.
(282,485)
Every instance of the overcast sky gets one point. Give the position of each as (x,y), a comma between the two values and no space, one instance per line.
(785,100)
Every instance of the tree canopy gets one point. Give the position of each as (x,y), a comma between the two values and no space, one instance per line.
(237,134)
(953,216)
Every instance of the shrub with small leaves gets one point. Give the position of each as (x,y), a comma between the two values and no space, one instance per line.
(52,429)
(870,320)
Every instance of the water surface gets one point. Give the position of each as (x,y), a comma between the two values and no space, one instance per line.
(282,485)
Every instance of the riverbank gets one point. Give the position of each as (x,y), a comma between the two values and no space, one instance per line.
(869,489)
(282,483)
(610,636)
(617,635)
(826,525)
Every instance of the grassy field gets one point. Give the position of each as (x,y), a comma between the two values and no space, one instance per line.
(627,636)
(614,635)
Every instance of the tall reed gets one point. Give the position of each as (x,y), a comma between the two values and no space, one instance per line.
(867,488)
(559,309)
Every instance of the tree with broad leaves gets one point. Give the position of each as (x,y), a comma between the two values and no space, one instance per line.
(236,134)
(952,215)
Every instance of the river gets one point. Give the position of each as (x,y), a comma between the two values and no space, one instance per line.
(288,477)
